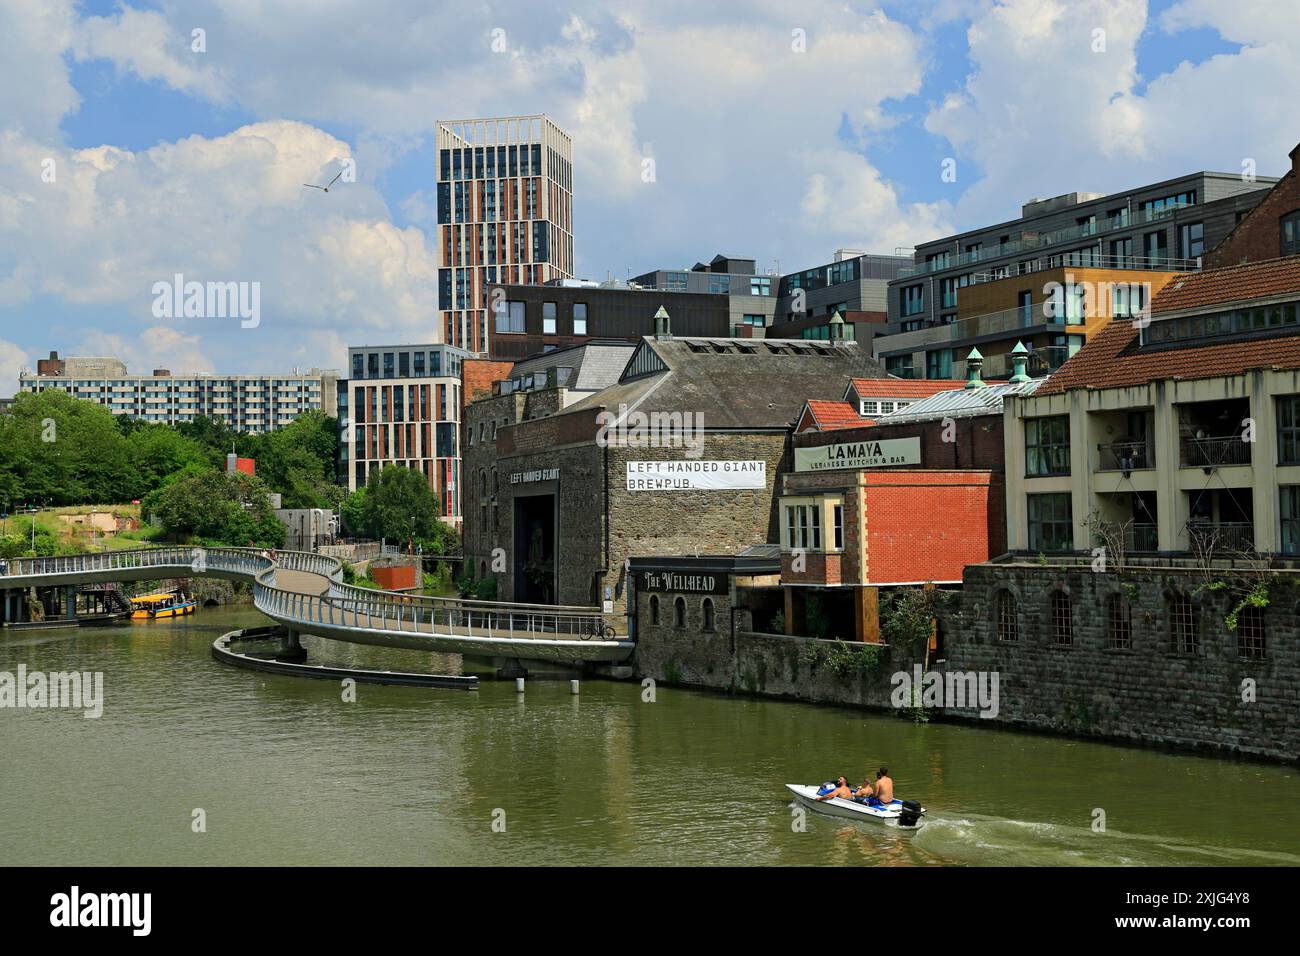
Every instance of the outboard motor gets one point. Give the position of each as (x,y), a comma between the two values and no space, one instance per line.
(910,814)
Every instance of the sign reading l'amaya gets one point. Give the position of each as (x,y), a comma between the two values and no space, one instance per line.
(859,454)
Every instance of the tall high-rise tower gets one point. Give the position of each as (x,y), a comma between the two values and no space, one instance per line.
(505,215)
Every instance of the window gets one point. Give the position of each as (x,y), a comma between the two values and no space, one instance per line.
(1290,511)
(1127,299)
(548,318)
(803,527)
(579,318)
(1191,240)
(838,512)
(899,365)
(1047,446)
(1250,633)
(1119,623)
(912,299)
(708,615)
(1290,232)
(676,281)
(1288,430)
(510,317)
(1050,526)
(1121,251)
(1062,622)
(938,363)
(720,284)
(948,293)
(654,609)
(1008,619)
(1155,247)
(679,612)
(1182,625)
(760,286)
(869,407)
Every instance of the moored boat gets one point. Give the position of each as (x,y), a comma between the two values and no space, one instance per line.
(905,813)
(163,604)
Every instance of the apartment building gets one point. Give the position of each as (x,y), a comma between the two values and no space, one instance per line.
(938,308)
(505,215)
(751,298)
(1177,437)
(247,403)
(853,282)
(402,405)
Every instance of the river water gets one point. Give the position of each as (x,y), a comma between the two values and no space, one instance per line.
(286,772)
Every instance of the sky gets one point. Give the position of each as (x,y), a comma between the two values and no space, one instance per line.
(148,139)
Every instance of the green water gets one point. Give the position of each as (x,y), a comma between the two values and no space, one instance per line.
(288,773)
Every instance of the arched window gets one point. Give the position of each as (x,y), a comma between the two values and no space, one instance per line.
(679,612)
(1008,617)
(1119,623)
(654,609)
(708,614)
(1250,633)
(1183,628)
(1062,621)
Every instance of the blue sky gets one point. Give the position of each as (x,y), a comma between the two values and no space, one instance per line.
(176,160)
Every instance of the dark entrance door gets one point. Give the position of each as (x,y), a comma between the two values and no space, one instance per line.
(535,549)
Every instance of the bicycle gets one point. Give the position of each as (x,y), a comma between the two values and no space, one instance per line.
(598,629)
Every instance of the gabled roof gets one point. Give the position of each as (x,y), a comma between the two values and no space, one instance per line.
(1254,280)
(887,387)
(823,416)
(734,383)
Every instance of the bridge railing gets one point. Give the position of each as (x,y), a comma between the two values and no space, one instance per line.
(361,609)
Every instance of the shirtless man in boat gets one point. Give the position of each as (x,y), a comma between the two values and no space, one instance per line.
(842,789)
(884,787)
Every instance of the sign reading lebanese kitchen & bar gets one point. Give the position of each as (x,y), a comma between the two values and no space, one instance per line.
(682,583)
(688,474)
(859,454)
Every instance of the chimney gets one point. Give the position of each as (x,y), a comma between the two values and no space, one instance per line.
(663,328)
(974,362)
(1019,358)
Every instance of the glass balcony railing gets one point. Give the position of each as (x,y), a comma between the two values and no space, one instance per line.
(1031,240)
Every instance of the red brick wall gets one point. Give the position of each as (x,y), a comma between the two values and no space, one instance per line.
(819,569)
(477,376)
(1258,236)
(928,525)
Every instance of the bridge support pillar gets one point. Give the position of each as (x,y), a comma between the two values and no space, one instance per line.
(70,602)
(509,668)
(290,648)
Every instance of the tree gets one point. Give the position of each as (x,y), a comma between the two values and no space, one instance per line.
(399,504)
(227,509)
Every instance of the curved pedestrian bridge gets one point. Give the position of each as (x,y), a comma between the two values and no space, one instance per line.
(305,593)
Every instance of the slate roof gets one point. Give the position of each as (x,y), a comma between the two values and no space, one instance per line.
(747,384)
(596,364)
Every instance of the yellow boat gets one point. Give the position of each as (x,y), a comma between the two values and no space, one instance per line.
(164,604)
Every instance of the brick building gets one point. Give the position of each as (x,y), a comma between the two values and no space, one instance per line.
(683,448)
(1271,229)
(908,498)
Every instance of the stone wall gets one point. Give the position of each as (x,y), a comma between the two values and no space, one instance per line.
(1147,693)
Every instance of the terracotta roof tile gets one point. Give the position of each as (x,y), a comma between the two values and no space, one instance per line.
(1254,280)
(1110,359)
(902,387)
(828,416)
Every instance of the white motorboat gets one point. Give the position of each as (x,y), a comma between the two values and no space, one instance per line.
(905,813)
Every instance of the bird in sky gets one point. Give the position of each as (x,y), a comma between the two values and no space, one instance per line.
(325,188)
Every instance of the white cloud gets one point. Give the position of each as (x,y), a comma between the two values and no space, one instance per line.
(35,93)
(1042,114)
(12,360)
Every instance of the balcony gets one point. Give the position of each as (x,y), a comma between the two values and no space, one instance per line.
(1215,451)
(1229,537)
(1125,456)
(1141,539)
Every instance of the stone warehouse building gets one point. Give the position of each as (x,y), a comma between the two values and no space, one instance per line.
(680,454)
